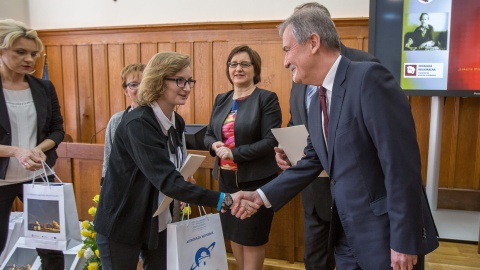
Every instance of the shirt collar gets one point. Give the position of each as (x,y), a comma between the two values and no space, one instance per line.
(328,82)
(165,123)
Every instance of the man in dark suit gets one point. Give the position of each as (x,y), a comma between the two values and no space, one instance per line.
(364,137)
(316,197)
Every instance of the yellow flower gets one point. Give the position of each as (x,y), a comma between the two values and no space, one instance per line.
(97,253)
(93,235)
(96,198)
(80,253)
(92,211)
(86,233)
(187,211)
(92,266)
(86,224)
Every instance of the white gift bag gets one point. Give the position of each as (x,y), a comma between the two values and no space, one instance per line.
(50,215)
(15,231)
(196,244)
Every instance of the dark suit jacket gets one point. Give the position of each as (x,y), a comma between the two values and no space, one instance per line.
(49,119)
(254,141)
(318,192)
(139,167)
(373,161)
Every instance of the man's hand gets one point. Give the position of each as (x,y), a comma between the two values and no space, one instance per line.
(402,261)
(245,204)
(281,158)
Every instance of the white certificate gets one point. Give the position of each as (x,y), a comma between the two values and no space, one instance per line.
(293,141)
(190,166)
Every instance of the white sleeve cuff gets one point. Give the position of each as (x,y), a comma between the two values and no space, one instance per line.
(264,198)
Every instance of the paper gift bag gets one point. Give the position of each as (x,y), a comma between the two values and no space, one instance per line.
(196,244)
(15,231)
(50,215)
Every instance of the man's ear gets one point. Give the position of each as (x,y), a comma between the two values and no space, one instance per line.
(314,43)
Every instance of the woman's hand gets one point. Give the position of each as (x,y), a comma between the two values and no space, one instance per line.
(224,153)
(217,145)
(31,160)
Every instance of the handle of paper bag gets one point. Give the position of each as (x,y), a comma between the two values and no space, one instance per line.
(200,211)
(43,175)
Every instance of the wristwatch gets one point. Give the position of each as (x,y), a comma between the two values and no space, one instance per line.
(227,201)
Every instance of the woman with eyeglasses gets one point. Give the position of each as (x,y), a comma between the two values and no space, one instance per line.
(239,135)
(131,76)
(148,150)
(31,126)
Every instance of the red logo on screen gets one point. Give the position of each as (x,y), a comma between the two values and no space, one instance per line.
(425,1)
(410,71)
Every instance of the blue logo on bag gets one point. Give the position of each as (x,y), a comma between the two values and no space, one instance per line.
(203,254)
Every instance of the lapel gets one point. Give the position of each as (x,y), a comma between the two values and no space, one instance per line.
(316,132)
(338,94)
(224,108)
(4,119)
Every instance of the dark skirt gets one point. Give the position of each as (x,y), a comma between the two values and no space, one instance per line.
(254,230)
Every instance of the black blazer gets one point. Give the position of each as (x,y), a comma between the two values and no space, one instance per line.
(139,167)
(373,161)
(318,192)
(49,119)
(254,141)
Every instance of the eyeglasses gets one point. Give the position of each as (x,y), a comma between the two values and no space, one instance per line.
(181,82)
(133,85)
(242,64)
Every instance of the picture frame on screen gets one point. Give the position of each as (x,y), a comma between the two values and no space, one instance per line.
(432,47)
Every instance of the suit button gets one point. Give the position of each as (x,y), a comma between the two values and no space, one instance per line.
(424,233)
(332,182)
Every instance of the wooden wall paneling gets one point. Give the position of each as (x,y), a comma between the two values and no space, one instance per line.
(87,175)
(100,92)
(147,50)
(55,73)
(70,92)
(187,110)
(421,113)
(467,148)
(220,83)
(202,73)
(165,47)
(131,55)
(454,116)
(116,58)
(85,92)
(447,134)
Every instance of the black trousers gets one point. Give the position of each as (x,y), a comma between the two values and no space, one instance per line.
(51,259)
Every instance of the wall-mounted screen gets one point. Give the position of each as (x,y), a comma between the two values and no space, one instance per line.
(431,46)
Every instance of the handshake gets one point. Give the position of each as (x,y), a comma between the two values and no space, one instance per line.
(245,204)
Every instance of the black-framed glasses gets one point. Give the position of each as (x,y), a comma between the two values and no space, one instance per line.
(133,85)
(242,64)
(181,82)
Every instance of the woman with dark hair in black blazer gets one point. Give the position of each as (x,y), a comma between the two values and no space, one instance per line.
(31,126)
(239,135)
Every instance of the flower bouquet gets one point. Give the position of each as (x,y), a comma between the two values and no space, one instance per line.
(89,249)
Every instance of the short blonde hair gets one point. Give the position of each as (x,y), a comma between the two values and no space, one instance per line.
(131,69)
(11,30)
(161,66)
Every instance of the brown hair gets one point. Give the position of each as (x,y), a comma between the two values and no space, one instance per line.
(162,65)
(254,57)
(130,69)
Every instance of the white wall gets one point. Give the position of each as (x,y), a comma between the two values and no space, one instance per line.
(55,14)
(15,9)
